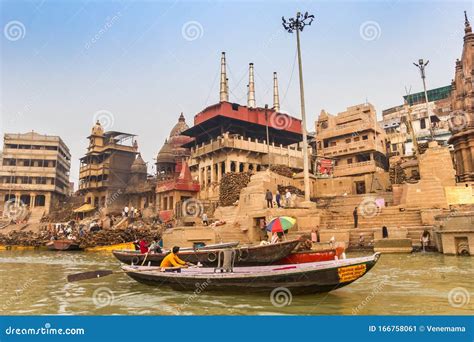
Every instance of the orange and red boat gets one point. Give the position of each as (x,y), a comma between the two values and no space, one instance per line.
(312,256)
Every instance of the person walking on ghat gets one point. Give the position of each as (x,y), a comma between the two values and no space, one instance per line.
(278,199)
(287,198)
(356,217)
(269,198)
(205,219)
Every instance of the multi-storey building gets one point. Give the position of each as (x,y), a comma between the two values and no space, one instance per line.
(355,143)
(34,171)
(105,170)
(228,137)
(394,120)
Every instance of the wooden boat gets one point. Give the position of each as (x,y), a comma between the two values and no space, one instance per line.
(312,256)
(293,279)
(246,256)
(63,245)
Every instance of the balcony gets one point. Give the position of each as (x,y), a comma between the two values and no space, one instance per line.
(93,185)
(353,147)
(94,170)
(356,168)
(32,187)
(248,145)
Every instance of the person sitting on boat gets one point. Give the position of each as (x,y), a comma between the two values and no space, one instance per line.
(143,246)
(136,245)
(155,246)
(172,259)
(275,238)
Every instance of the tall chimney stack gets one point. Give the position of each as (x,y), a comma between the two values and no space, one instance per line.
(251,93)
(224,90)
(276,95)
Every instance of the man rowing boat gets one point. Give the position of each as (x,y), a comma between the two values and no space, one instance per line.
(172,260)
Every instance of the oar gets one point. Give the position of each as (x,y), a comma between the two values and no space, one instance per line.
(90,275)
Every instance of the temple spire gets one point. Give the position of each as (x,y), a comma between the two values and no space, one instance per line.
(467,24)
(276,95)
(224,89)
(251,92)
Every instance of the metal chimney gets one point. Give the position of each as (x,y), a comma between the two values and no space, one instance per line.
(276,95)
(251,93)
(224,93)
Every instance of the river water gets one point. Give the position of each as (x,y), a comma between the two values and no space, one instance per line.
(34,283)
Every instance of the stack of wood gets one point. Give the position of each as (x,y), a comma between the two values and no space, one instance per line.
(294,190)
(22,238)
(396,173)
(114,236)
(231,184)
(282,170)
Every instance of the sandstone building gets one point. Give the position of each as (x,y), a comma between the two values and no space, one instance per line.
(34,171)
(356,145)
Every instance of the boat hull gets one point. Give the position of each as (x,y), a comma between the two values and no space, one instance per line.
(312,256)
(63,245)
(246,256)
(297,279)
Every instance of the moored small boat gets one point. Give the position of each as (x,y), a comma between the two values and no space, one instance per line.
(63,245)
(312,256)
(246,256)
(298,278)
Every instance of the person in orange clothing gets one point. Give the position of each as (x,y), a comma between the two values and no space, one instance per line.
(172,260)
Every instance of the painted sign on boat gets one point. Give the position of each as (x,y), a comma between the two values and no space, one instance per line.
(350,273)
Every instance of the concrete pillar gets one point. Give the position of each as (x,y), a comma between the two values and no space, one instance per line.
(246,167)
(32,199)
(200,176)
(227,165)
(219,172)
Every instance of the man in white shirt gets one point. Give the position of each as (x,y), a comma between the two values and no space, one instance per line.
(287,198)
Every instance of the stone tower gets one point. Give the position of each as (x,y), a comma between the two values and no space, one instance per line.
(462,118)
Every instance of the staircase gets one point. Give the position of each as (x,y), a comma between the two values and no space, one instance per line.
(36,214)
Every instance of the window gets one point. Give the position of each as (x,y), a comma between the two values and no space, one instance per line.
(357,139)
(333,143)
(348,140)
(422,124)
(349,161)
(365,137)
(394,147)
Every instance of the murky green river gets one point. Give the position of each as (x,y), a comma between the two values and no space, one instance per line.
(34,283)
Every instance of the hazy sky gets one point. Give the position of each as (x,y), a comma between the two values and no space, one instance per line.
(137,64)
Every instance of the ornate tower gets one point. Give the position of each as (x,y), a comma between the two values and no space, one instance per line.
(462,118)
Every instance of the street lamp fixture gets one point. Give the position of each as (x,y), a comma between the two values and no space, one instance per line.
(422,65)
(298,24)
